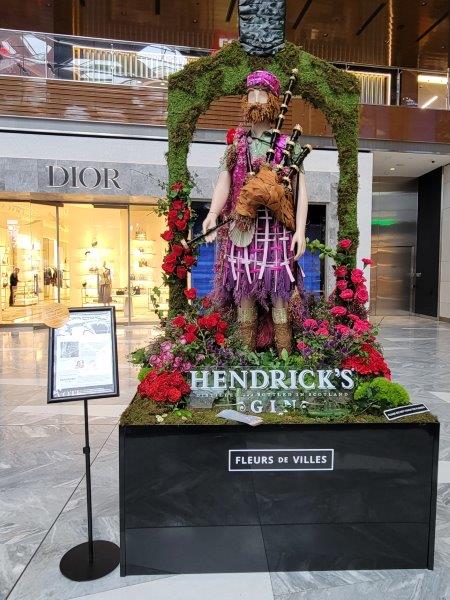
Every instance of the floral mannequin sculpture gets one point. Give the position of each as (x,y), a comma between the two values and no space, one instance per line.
(265,202)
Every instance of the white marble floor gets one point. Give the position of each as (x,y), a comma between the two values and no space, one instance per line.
(42,494)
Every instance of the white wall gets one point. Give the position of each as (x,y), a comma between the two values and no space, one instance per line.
(444,276)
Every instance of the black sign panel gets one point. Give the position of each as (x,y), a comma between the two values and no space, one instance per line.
(405,411)
(301,459)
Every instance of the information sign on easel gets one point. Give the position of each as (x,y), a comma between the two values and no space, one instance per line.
(83,366)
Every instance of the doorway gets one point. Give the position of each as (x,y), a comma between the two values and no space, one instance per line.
(391,280)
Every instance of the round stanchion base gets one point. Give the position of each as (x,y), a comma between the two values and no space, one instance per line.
(75,563)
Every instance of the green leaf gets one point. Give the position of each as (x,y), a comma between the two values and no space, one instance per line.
(143,373)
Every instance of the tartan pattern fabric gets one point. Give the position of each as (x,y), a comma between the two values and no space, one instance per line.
(265,270)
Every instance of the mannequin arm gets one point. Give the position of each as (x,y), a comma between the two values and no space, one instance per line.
(219,199)
(298,239)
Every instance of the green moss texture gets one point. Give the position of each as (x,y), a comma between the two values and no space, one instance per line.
(143,412)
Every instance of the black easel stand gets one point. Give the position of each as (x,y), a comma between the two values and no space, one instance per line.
(92,559)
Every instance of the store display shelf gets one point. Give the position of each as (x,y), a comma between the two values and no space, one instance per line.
(374,509)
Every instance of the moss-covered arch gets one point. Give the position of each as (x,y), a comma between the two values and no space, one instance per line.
(331,90)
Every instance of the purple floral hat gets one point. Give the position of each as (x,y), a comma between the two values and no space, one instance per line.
(265,80)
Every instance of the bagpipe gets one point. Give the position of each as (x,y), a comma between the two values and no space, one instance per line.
(270,186)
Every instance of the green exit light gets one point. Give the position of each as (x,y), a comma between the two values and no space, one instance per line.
(384,222)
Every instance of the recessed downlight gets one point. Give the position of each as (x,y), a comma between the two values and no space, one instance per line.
(392,169)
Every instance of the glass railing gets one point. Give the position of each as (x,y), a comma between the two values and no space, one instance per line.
(95,60)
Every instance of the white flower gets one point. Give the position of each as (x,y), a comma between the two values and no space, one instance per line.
(160,419)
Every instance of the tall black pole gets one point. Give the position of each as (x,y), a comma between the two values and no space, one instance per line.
(87,457)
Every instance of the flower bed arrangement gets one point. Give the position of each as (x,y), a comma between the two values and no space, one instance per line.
(328,333)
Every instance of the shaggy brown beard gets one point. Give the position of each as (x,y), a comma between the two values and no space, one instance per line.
(257,112)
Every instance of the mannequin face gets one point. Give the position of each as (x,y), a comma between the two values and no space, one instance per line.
(256,96)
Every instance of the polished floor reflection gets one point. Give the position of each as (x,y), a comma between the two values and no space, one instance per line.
(42,493)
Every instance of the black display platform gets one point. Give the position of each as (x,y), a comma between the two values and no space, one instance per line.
(183,511)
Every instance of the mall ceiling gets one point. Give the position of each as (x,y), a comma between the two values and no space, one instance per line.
(408,33)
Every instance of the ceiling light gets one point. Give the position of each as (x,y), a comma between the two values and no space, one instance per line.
(392,169)
(428,102)
(441,80)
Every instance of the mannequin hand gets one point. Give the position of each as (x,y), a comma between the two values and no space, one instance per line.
(299,240)
(209,223)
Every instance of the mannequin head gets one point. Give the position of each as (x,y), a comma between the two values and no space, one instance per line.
(261,104)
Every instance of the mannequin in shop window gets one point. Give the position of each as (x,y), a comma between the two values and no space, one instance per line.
(13,281)
(105,286)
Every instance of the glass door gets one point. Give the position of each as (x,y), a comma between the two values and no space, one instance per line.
(147,250)
(93,246)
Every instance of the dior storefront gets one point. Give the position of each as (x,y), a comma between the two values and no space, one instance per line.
(85,231)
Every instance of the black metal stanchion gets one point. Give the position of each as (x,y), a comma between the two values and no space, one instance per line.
(95,558)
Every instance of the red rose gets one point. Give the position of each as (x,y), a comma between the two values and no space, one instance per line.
(338,311)
(301,345)
(191,328)
(168,267)
(190,337)
(181,272)
(230,136)
(206,302)
(346,294)
(361,294)
(180,224)
(177,250)
(167,235)
(357,276)
(220,338)
(177,205)
(177,187)
(190,294)
(189,260)
(341,284)
(172,215)
(367,261)
(222,326)
(345,244)
(179,321)
(340,271)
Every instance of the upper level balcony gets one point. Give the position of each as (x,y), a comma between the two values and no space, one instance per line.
(90,79)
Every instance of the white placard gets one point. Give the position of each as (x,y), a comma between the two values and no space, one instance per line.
(83,356)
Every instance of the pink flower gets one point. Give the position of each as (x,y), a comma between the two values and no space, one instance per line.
(338,311)
(357,276)
(353,317)
(345,244)
(343,329)
(166,346)
(322,331)
(361,326)
(340,271)
(301,345)
(346,295)
(361,294)
(309,323)
(341,284)
(367,261)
